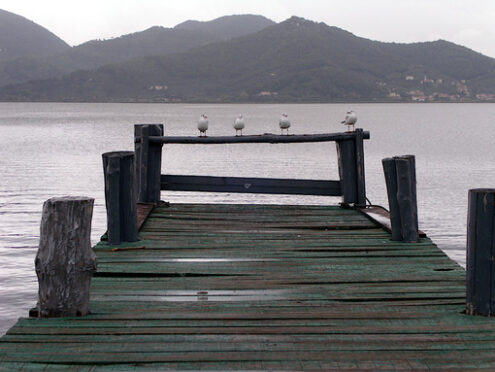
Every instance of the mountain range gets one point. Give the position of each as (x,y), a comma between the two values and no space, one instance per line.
(27,64)
(248,58)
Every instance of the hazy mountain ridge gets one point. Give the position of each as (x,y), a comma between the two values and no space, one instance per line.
(153,41)
(228,27)
(21,37)
(294,61)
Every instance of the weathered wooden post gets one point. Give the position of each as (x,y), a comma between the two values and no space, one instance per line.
(406,197)
(400,179)
(391,184)
(148,162)
(480,278)
(360,180)
(120,197)
(65,261)
(350,153)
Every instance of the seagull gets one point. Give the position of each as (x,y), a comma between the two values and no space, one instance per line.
(239,124)
(203,125)
(350,119)
(284,123)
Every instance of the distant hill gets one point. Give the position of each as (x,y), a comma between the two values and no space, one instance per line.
(294,61)
(151,42)
(96,53)
(20,37)
(157,41)
(228,27)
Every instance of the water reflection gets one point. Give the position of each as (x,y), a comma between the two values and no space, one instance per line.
(202,295)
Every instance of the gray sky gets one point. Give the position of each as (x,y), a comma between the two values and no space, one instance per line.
(466,22)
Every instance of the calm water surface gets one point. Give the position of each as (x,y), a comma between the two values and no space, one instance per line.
(51,150)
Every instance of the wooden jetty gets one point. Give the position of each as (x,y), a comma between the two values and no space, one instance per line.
(262,287)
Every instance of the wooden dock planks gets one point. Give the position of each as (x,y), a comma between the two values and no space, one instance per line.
(258,287)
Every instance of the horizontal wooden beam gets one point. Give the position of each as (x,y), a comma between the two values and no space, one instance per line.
(263,138)
(250,185)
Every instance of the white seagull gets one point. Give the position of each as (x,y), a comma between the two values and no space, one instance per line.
(350,119)
(239,124)
(203,125)
(284,123)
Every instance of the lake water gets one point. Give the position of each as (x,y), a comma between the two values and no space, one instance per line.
(49,149)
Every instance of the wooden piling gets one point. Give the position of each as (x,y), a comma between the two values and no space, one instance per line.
(351,168)
(400,179)
(391,183)
(65,261)
(148,162)
(406,197)
(120,197)
(480,276)
(360,176)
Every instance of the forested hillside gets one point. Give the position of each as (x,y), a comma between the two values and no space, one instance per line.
(294,61)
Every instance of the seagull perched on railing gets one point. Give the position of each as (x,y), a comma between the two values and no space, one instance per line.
(284,123)
(350,119)
(239,124)
(203,125)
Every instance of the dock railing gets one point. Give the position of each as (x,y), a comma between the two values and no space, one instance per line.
(149,140)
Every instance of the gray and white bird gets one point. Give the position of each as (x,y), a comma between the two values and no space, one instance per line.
(203,125)
(239,124)
(350,120)
(284,123)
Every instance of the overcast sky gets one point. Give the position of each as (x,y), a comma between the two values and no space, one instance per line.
(466,22)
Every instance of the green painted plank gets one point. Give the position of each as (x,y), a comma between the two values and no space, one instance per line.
(248,339)
(453,357)
(262,346)
(269,323)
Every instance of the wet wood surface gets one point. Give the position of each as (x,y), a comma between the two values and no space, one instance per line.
(263,287)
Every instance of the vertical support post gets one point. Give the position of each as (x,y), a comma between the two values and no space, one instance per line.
(480,276)
(400,179)
(391,183)
(65,261)
(360,176)
(141,146)
(346,152)
(148,162)
(351,169)
(406,197)
(120,197)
